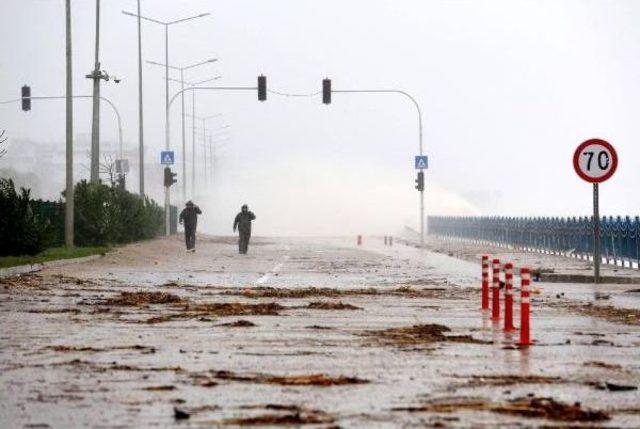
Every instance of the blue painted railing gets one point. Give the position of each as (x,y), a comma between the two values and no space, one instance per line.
(620,237)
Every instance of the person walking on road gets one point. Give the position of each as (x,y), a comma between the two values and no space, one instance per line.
(189,216)
(243,224)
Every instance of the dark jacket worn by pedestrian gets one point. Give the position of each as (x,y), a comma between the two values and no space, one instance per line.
(189,216)
(243,221)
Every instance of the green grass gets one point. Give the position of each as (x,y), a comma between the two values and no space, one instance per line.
(53,254)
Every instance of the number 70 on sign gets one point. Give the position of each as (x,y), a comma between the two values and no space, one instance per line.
(595,160)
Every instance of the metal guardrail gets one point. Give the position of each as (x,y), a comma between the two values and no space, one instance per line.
(573,237)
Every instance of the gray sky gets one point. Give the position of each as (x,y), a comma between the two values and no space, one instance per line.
(508,89)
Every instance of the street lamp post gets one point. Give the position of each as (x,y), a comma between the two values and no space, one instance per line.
(96,75)
(140,111)
(204,137)
(182,82)
(420,147)
(207,137)
(167,200)
(193,126)
(68,211)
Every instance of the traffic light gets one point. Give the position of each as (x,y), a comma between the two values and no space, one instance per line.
(262,88)
(420,181)
(26,98)
(169,177)
(326,91)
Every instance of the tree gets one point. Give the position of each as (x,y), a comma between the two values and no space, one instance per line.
(108,168)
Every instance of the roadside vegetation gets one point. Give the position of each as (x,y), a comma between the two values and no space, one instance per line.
(104,215)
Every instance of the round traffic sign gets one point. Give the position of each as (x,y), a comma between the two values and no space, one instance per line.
(595,160)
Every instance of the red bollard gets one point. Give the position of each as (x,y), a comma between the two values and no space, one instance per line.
(385,240)
(390,241)
(495,313)
(525,308)
(359,240)
(485,282)
(508,297)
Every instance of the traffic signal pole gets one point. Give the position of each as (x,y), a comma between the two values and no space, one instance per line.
(420,146)
(261,88)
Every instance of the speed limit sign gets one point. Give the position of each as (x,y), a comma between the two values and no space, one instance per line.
(595,160)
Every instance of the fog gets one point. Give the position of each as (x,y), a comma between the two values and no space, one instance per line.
(507,89)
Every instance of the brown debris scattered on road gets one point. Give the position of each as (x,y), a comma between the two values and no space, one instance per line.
(526,407)
(319,327)
(448,405)
(239,324)
(219,309)
(600,364)
(63,348)
(143,298)
(507,380)
(329,305)
(272,292)
(298,293)
(73,280)
(22,281)
(163,388)
(613,387)
(550,409)
(419,334)
(290,380)
(53,310)
(282,415)
(628,316)
(114,366)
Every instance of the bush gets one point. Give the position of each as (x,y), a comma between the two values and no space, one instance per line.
(103,215)
(22,232)
(108,215)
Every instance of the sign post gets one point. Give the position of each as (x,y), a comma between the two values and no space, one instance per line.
(167,157)
(421,164)
(595,161)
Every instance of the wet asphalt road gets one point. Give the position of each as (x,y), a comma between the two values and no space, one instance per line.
(74,354)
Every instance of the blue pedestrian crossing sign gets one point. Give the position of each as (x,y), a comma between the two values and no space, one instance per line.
(422,162)
(167,157)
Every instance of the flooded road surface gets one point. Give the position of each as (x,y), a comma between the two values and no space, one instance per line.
(313,332)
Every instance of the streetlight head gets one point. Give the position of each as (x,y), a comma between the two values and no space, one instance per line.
(212,60)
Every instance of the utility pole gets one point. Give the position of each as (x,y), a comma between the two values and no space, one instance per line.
(95,121)
(140,111)
(68,212)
